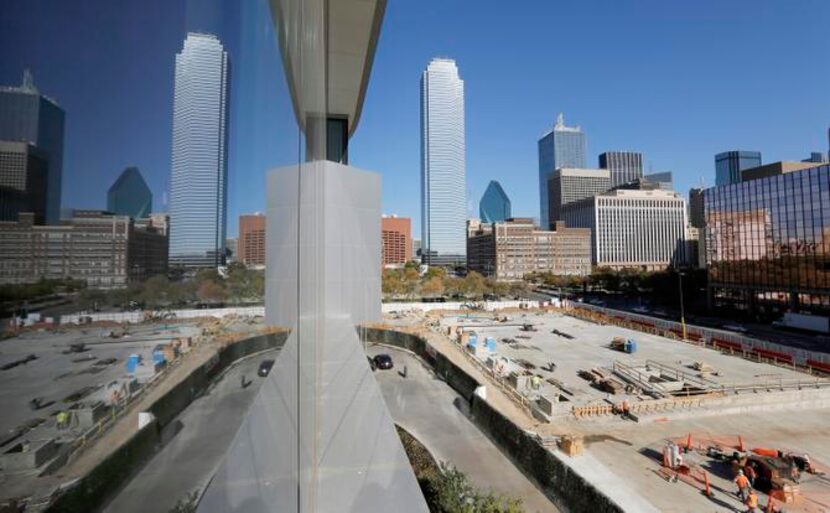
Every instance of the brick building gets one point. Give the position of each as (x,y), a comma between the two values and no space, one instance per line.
(105,250)
(510,250)
(396,240)
(250,246)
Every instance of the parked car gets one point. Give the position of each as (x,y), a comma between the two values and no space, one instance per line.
(383,361)
(265,367)
(734,327)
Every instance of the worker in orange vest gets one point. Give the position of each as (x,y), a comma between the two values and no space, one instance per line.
(751,502)
(749,472)
(743,486)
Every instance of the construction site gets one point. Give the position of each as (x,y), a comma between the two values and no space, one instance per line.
(72,394)
(656,422)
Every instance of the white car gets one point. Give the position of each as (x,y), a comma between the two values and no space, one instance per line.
(734,327)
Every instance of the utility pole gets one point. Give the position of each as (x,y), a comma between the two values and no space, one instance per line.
(682,311)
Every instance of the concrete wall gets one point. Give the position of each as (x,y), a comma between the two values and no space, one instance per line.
(558,481)
(92,490)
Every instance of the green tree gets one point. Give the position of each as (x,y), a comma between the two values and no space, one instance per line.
(156,292)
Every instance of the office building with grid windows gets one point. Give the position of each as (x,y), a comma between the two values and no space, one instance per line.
(640,229)
(729,164)
(767,242)
(510,250)
(568,185)
(624,166)
(24,173)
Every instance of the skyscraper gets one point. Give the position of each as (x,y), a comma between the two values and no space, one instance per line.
(563,146)
(198,184)
(729,164)
(625,166)
(23,177)
(567,185)
(129,195)
(494,205)
(443,193)
(28,116)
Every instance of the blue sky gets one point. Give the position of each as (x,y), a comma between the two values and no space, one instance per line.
(679,81)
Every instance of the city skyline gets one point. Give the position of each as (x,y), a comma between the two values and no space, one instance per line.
(501,134)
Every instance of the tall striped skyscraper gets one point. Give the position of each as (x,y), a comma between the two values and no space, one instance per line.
(443,182)
(198,184)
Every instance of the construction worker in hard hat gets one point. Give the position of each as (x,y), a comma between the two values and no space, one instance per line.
(751,502)
(62,419)
(742,483)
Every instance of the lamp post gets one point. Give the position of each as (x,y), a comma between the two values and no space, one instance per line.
(682,311)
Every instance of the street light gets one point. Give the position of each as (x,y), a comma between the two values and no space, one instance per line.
(682,311)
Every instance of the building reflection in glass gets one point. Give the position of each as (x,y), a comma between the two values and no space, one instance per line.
(768,243)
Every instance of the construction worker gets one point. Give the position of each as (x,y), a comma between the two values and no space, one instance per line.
(751,502)
(749,472)
(63,420)
(536,382)
(743,486)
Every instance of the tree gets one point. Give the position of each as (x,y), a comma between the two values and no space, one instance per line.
(411,278)
(156,291)
(473,285)
(210,292)
(433,286)
(454,493)
(392,282)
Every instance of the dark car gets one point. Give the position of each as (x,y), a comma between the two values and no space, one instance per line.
(265,367)
(383,361)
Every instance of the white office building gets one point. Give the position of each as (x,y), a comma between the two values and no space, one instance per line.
(567,185)
(644,229)
(199,176)
(443,180)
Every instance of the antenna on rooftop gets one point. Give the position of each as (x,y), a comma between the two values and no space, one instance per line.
(28,81)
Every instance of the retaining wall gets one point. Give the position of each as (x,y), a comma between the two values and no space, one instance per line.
(558,481)
(92,490)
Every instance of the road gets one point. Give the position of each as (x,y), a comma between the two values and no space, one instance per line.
(200,437)
(429,409)
(424,405)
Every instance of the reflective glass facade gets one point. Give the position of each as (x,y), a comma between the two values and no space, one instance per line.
(563,146)
(768,243)
(129,195)
(26,115)
(729,164)
(494,206)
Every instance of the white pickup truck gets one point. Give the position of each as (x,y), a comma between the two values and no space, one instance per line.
(815,323)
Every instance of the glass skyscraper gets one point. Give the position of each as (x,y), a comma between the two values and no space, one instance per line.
(767,243)
(129,195)
(198,184)
(729,164)
(443,193)
(494,206)
(563,146)
(625,166)
(28,116)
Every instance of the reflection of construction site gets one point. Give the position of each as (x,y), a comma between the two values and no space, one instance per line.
(729,466)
